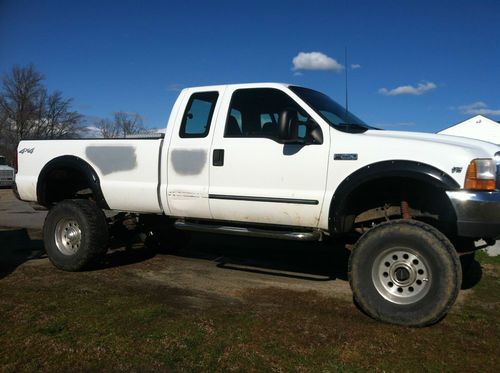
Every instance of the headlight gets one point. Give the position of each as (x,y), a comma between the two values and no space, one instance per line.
(481,174)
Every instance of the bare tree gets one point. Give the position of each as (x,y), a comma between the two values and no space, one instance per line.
(19,105)
(107,128)
(128,123)
(59,121)
(27,110)
(5,148)
(122,125)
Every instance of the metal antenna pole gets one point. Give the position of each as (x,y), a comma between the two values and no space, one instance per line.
(346,85)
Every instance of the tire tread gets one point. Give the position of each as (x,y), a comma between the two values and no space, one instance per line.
(96,234)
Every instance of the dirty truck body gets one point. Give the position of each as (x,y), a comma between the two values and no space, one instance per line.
(274,160)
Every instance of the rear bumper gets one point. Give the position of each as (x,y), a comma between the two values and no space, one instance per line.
(478,213)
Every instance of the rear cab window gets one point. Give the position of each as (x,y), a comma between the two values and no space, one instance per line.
(198,115)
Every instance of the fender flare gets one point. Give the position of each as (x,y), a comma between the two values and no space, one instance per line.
(74,163)
(394,168)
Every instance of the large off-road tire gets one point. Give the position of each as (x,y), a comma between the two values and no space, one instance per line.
(75,234)
(405,272)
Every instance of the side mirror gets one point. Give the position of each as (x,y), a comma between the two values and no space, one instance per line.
(315,134)
(288,126)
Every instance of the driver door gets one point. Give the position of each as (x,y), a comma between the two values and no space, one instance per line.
(254,177)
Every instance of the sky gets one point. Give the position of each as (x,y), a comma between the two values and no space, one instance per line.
(412,65)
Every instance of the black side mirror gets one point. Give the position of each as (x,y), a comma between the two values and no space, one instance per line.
(315,135)
(288,129)
(288,126)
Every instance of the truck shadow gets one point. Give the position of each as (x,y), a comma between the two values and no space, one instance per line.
(311,261)
(302,260)
(16,247)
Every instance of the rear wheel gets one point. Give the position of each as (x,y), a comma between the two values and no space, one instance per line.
(405,272)
(75,234)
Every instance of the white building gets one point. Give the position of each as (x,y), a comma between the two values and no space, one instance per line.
(478,127)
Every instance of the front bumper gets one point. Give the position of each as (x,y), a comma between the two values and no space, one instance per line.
(6,182)
(477,213)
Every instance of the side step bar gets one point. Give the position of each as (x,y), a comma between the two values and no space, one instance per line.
(254,232)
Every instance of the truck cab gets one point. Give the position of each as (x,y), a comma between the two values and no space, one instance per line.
(230,157)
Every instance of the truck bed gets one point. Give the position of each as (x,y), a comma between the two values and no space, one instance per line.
(127,168)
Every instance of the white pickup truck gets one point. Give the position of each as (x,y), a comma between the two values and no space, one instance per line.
(6,173)
(281,161)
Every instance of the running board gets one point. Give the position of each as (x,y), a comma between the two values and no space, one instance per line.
(253,232)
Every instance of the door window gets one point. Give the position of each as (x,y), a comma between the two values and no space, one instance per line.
(255,112)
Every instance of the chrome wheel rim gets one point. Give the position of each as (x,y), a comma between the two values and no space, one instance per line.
(68,236)
(401,276)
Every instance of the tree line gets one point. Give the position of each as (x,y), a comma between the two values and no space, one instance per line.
(29,111)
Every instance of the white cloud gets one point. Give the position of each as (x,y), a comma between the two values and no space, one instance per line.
(478,108)
(315,61)
(90,132)
(420,89)
(355,66)
(297,73)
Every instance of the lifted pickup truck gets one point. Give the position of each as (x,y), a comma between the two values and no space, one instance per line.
(280,161)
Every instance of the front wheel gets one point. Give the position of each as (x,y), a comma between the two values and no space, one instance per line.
(75,234)
(405,272)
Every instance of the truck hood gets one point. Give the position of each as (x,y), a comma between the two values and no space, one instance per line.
(6,168)
(482,148)
(443,152)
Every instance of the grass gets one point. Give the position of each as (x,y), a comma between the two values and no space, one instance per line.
(109,320)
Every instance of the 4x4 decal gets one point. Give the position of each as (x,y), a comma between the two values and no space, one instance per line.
(26,150)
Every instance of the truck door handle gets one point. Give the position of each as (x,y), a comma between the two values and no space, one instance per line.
(218,158)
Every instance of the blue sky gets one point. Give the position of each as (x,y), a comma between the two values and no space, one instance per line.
(134,55)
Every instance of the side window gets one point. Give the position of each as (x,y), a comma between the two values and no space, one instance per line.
(198,115)
(255,112)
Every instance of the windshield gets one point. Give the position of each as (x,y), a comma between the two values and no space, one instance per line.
(3,162)
(330,111)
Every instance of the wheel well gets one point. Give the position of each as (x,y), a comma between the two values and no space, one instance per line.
(381,199)
(68,177)
(65,183)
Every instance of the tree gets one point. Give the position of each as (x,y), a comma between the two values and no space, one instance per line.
(107,128)
(20,99)
(128,123)
(57,120)
(122,125)
(28,111)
